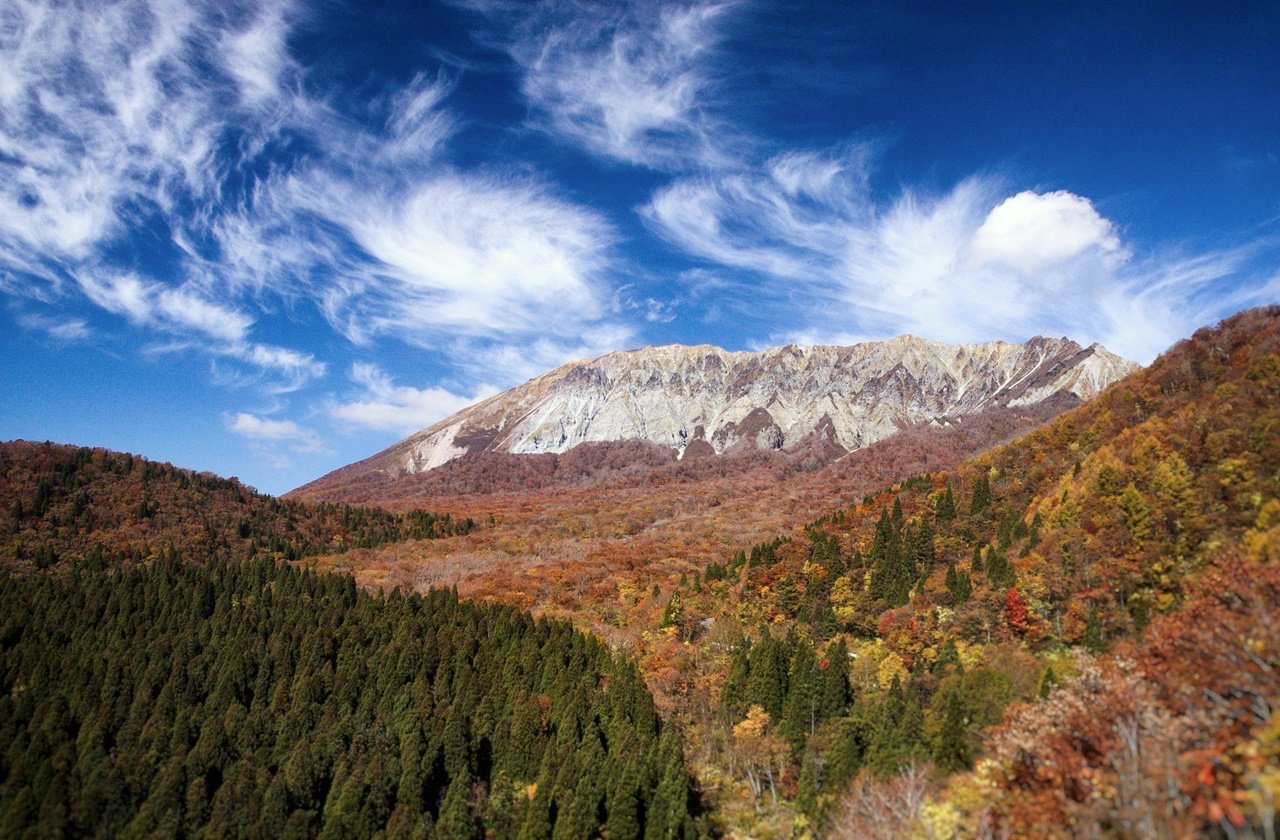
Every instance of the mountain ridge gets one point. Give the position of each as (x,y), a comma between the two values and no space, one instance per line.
(704,400)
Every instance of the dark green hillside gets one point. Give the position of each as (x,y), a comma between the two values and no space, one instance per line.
(255,699)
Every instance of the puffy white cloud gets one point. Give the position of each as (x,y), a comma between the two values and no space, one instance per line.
(1030,231)
(385,406)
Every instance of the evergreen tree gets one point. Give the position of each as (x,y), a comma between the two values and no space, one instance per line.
(1048,682)
(849,752)
(981,499)
(624,804)
(952,751)
(767,680)
(835,681)
(948,657)
(456,818)
(733,697)
(803,707)
(946,506)
(807,794)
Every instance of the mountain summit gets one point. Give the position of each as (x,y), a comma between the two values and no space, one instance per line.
(704,400)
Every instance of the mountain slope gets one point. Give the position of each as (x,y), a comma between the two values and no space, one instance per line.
(704,400)
(1146,522)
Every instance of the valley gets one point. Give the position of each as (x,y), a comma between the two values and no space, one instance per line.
(973,627)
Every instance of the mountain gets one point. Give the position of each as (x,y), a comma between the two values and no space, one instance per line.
(698,401)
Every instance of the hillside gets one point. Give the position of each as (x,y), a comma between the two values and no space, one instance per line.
(702,401)
(1142,526)
(592,547)
(256,699)
(65,502)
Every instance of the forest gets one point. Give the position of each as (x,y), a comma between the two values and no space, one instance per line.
(257,699)
(66,502)
(1074,634)
(1031,625)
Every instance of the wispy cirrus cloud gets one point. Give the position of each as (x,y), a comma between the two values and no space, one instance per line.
(389,240)
(629,81)
(195,130)
(385,406)
(116,120)
(60,329)
(968,264)
(184,312)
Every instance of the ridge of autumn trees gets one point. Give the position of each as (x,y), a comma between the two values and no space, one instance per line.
(1144,519)
(75,503)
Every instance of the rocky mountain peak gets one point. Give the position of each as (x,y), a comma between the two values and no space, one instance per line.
(724,401)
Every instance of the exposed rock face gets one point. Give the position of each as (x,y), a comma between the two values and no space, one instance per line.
(699,400)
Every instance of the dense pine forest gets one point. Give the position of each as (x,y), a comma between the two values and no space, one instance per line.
(258,699)
(66,502)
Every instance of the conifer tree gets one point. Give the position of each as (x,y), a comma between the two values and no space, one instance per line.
(733,697)
(952,751)
(456,818)
(835,681)
(1048,682)
(946,506)
(981,499)
(807,794)
(624,804)
(767,680)
(803,705)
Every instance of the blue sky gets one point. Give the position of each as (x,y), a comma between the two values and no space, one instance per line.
(268,238)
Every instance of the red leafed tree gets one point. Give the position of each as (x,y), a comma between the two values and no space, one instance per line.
(1015,612)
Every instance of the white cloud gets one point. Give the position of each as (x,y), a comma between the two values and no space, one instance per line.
(788,220)
(66,330)
(1030,231)
(109,110)
(967,265)
(265,430)
(385,406)
(288,370)
(257,56)
(155,117)
(393,242)
(627,81)
(475,256)
(149,303)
